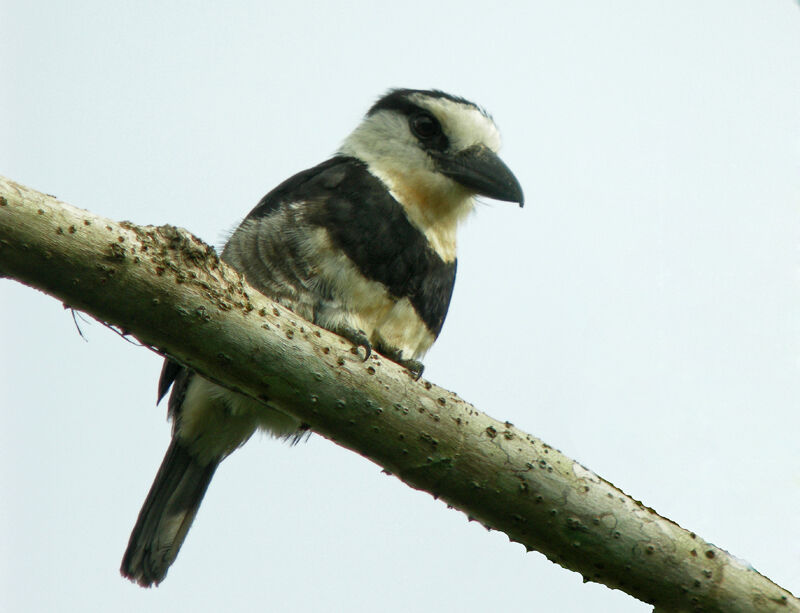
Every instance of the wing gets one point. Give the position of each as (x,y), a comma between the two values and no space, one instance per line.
(339,208)
(332,244)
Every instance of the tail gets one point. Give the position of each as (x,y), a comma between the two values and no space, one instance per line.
(166,516)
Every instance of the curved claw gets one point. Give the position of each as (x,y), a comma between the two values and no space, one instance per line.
(415,368)
(357,337)
(367,348)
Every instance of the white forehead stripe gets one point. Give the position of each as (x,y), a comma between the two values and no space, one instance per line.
(464,124)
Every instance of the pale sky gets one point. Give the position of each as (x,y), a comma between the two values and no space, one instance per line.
(641,313)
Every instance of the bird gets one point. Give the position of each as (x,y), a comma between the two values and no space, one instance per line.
(364,245)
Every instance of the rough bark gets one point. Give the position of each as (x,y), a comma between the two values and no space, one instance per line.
(169,290)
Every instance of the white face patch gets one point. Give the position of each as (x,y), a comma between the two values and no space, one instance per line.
(433,202)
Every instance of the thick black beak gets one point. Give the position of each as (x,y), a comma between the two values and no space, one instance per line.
(479,168)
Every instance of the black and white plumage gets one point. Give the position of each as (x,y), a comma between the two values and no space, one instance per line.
(363,244)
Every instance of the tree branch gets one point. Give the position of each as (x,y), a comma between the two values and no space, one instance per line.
(170,290)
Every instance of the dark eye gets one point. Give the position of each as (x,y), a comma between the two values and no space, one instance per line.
(424,126)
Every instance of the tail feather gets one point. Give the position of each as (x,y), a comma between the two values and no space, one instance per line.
(166,516)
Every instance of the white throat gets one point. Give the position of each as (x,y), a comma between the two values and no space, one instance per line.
(435,212)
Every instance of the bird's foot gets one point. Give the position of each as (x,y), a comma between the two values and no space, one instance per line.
(414,367)
(357,337)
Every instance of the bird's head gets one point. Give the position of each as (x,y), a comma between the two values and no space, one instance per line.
(434,151)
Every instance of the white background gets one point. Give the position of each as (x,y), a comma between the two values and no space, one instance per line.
(640,313)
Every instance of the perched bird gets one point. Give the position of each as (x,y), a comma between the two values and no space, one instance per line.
(364,245)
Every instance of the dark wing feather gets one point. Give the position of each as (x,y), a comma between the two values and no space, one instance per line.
(169,372)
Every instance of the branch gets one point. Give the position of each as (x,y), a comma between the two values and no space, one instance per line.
(170,290)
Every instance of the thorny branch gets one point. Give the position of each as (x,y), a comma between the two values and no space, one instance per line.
(170,290)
